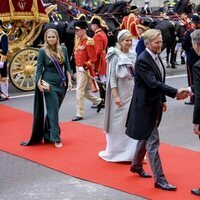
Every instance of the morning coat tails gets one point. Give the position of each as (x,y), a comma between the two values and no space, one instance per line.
(148,96)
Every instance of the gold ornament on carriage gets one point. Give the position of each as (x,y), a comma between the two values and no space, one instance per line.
(23,20)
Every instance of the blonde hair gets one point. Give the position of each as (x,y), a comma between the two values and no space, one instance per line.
(123,36)
(49,50)
(150,35)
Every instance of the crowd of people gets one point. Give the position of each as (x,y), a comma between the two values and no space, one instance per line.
(134,97)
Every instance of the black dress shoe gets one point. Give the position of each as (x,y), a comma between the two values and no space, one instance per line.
(94,106)
(182,61)
(3,98)
(165,186)
(99,106)
(141,172)
(189,103)
(173,67)
(77,118)
(196,191)
(46,141)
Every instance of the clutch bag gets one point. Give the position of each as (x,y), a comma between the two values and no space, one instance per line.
(45,85)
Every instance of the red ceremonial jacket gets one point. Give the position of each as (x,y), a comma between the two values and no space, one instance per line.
(130,22)
(85,54)
(101,42)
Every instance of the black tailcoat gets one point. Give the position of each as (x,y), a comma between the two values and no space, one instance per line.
(148,96)
(196,88)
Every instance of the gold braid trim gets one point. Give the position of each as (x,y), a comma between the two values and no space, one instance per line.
(2,33)
(11,9)
(3,58)
(4,79)
(33,15)
(90,41)
(76,42)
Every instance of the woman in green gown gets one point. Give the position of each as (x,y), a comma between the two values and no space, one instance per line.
(52,80)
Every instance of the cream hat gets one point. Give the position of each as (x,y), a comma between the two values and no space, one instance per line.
(121,33)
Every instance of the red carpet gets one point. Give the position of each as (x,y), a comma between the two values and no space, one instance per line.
(79,158)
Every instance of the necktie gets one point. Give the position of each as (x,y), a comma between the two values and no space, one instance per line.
(159,66)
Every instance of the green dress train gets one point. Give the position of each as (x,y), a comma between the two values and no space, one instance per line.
(48,128)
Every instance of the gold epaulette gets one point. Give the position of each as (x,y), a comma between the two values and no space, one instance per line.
(4,79)
(76,41)
(3,58)
(90,41)
(2,33)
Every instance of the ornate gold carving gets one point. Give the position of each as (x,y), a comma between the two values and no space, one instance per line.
(22,4)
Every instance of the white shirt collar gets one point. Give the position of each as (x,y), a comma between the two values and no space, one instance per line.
(153,55)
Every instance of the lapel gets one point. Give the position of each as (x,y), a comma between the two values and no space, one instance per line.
(154,66)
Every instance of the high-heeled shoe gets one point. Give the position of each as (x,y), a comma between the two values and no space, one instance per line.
(58,144)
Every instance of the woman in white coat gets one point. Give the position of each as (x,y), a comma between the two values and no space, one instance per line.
(120,83)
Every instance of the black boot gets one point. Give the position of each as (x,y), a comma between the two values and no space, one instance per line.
(182,60)
(175,62)
(182,57)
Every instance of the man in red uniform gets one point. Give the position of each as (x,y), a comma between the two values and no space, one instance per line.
(101,42)
(85,57)
(131,21)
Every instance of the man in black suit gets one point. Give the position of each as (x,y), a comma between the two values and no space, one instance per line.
(190,53)
(147,105)
(195,36)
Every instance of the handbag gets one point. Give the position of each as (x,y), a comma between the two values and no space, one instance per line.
(46,86)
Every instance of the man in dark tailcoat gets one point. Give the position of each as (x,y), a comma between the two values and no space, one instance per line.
(147,105)
(195,36)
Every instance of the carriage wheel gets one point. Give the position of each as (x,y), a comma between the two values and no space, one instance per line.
(22,69)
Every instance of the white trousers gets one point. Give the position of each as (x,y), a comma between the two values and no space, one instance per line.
(83,89)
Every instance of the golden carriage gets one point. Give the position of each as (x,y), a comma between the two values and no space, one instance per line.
(23,20)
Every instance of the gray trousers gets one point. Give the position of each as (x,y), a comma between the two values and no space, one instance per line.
(151,146)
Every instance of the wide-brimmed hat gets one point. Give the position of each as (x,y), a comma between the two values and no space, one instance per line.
(80,25)
(195,19)
(99,21)
(145,23)
(142,27)
(106,1)
(133,8)
(81,17)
